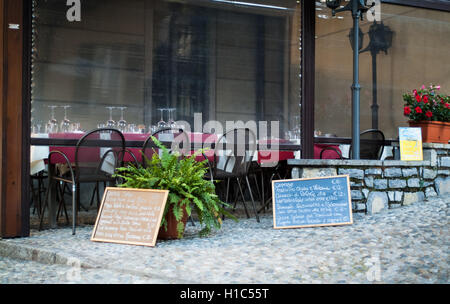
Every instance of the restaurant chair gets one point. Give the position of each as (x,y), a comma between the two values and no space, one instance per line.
(372,144)
(121,155)
(231,163)
(97,154)
(178,137)
(325,154)
(37,190)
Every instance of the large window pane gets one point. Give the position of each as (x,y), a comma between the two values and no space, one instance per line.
(224,60)
(418,55)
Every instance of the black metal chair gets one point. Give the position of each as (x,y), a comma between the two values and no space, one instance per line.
(338,153)
(37,192)
(372,144)
(180,142)
(121,155)
(233,155)
(97,154)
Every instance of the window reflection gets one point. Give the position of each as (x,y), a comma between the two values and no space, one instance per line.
(417,55)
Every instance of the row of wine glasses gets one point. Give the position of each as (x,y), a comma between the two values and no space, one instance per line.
(121,124)
(52,125)
(65,126)
(170,122)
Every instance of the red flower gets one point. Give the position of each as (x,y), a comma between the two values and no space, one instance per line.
(415,92)
(418,98)
(429,114)
(442,100)
(407,111)
(447,105)
(425,99)
(418,110)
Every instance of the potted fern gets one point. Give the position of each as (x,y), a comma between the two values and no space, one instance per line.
(188,190)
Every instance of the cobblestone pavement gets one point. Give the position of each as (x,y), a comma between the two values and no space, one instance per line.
(403,245)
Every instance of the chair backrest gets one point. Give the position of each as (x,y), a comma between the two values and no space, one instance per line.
(234,151)
(330,153)
(178,137)
(372,143)
(99,151)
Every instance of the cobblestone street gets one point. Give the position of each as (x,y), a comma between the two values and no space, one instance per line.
(403,245)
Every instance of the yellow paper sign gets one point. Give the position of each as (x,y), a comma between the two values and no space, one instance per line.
(411,144)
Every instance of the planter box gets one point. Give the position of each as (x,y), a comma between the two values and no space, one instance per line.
(433,131)
(172,224)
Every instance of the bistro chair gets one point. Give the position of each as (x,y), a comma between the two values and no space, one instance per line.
(178,137)
(37,192)
(372,144)
(121,155)
(233,155)
(97,154)
(330,150)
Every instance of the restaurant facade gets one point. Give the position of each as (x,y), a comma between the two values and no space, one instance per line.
(72,66)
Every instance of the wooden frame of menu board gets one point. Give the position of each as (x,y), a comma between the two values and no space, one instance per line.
(344,193)
(130,216)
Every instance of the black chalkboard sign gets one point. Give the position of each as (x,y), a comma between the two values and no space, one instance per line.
(311,202)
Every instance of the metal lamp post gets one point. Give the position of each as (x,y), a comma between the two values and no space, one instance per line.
(357,7)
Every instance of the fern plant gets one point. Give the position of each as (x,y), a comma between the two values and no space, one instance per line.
(184,178)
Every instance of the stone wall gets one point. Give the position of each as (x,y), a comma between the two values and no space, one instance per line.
(377,185)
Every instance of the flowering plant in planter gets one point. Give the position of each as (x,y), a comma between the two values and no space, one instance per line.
(426,104)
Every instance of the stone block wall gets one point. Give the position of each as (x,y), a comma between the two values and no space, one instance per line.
(377,185)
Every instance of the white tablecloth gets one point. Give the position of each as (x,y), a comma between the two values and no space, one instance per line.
(37,155)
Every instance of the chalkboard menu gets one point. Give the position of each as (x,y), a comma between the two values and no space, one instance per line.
(322,201)
(130,216)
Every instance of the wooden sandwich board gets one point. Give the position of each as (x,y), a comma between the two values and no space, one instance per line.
(130,216)
(312,202)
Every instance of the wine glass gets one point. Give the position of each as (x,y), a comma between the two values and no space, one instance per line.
(152,129)
(132,128)
(171,123)
(52,124)
(121,124)
(162,124)
(37,127)
(75,127)
(65,124)
(110,123)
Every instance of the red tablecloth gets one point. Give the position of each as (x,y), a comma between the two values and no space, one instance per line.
(205,141)
(273,156)
(135,151)
(70,151)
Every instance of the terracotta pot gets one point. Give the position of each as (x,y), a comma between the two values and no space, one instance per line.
(172,223)
(433,131)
